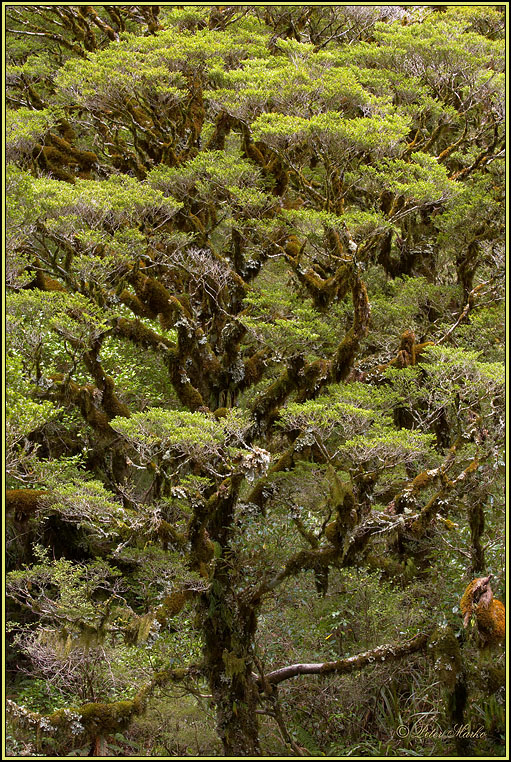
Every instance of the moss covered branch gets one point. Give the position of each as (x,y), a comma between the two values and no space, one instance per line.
(378,655)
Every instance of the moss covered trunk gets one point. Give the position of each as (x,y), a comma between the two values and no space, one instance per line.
(229,631)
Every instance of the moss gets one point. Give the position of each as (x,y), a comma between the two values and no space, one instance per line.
(251,151)
(155,298)
(98,718)
(139,629)
(141,335)
(45,283)
(66,131)
(262,490)
(94,417)
(234,665)
(189,396)
(419,482)
(59,157)
(493,679)
(167,534)
(52,160)
(172,605)
(447,654)
(281,177)
(254,369)
(332,533)
(342,362)
(102,719)
(23,502)
(334,242)
(136,305)
(222,129)
(127,162)
(203,548)
(476,523)
(387,565)
(293,247)
(111,403)
(277,392)
(343,502)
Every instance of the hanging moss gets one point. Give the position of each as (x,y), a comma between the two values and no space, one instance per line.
(450,670)
(263,489)
(234,665)
(139,629)
(281,176)
(172,605)
(110,402)
(389,566)
(476,523)
(277,392)
(167,534)
(254,369)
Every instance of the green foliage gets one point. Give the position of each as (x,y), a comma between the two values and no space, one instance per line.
(341,138)
(255,386)
(186,432)
(24,127)
(420,180)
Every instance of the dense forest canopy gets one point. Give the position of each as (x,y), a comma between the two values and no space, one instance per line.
(255,379)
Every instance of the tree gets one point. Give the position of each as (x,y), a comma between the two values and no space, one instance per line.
(255,281)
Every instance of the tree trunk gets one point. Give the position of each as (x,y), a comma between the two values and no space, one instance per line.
(229,631)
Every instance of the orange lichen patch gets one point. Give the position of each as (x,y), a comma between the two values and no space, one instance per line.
(467,599)
(490,613)
(491,621)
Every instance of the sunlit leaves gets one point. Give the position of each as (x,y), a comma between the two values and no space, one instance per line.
(180,434)
(23,416)
(51,330)
(212,177)
(106,204)
(387,448)
(421,180)
(24,127)
(331,132)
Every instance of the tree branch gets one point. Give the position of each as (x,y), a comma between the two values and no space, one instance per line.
(351,664)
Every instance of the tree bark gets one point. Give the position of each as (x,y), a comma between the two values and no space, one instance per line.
(229,631)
